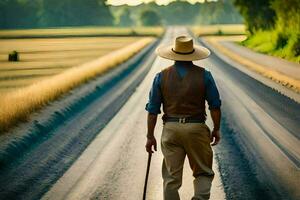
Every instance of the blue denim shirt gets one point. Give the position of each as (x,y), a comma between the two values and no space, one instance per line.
(155,96)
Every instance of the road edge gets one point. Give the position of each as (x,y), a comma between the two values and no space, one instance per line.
(266,81)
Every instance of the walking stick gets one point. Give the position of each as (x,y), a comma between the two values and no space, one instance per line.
(147,174)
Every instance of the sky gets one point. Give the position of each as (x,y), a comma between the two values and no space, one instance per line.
(137,2)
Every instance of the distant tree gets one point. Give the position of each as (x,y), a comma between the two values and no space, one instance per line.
(75,13)
(52,13)
(106,18)
(3,14)
(184,13)
(220,12)
(179,12)
(125,18)
(18,13)
(258,14)
(150,18)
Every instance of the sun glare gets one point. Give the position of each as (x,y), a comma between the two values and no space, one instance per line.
(137,2)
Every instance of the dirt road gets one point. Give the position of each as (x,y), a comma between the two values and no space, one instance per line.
(113,166)
(258,157)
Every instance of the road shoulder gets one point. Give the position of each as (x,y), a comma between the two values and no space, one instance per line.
(283,83)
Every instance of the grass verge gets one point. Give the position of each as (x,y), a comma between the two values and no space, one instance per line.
(282,79)
(18,105)
(283,45)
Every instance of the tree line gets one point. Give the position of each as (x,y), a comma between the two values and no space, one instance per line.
(53,13)
(56,13)
(267,14)
(178,13)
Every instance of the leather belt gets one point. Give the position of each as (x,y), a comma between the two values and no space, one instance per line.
(184,120)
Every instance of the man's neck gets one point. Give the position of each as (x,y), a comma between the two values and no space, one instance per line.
(183,63)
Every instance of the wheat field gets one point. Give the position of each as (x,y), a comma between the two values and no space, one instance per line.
(43,58)
(219,29)
(83,31)
(18,104)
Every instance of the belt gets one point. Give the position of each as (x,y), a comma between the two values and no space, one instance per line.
(184,120)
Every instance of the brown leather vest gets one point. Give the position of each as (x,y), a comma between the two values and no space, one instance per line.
(183,97)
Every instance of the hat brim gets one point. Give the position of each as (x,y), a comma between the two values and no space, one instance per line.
(198,54)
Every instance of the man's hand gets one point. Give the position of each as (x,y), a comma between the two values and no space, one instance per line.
(151,142)
(216,118)
(215,137)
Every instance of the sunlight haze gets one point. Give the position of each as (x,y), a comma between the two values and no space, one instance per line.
(137,2)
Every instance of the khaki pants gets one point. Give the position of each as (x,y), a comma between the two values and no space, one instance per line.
(193,140)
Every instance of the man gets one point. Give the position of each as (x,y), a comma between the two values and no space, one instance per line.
(182,89)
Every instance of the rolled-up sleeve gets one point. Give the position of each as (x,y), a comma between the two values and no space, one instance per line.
(155,96)
(212,95)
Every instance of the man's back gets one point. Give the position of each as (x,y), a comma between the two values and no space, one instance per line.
(175,90)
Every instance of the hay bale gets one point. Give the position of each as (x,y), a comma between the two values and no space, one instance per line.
(133,33)
(220,32)
(13,56)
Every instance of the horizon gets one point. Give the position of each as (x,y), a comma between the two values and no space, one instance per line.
(158,2)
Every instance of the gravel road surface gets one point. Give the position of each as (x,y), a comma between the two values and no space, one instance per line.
(99,152)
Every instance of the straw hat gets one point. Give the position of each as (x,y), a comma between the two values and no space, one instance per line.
(183,50)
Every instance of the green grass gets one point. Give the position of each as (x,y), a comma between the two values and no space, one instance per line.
(274,43)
